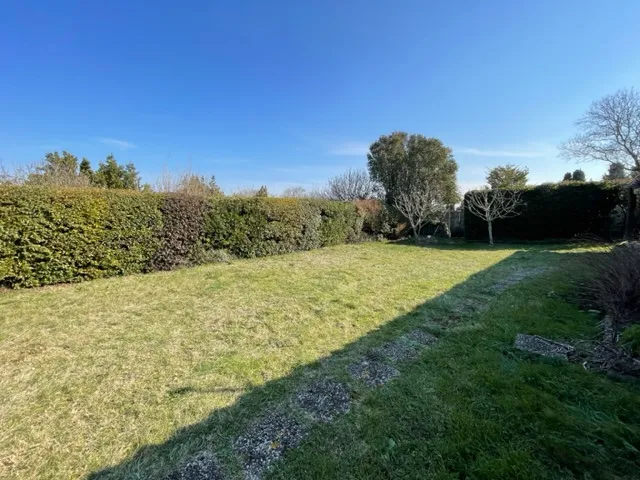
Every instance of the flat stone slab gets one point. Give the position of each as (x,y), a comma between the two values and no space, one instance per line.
(266,441)
(203,466)
(406,347)
(516,277)
(323,400)
(374,373)
(543,346)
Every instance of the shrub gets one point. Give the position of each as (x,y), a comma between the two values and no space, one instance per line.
(182,231)
(376,218)
(258,226)
(613,283)
(554,211)
(50,235)
(340,222)
(66,235)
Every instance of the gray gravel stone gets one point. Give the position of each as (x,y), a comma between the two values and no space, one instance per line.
(421,337)
(372,372)
(266,442)
(203,466)
(406,347)
(324,399)
(543,346)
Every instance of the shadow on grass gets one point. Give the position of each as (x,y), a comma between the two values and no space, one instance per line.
(446,316)
(466,245)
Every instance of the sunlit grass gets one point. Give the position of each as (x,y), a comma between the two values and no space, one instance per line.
(92,372)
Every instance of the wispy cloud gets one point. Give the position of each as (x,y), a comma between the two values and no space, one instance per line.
(479,152)
(351,149)
(123,144)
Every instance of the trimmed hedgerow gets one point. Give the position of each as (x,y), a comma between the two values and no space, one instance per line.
(52,235)
(67,235)
(254,227)
(182,231)
(557,211)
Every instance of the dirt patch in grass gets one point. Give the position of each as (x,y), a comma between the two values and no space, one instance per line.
(323,400)
(373,373)
(203,466)
(266,442)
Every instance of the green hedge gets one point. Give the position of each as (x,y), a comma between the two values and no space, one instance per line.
(51,236)
(557,211)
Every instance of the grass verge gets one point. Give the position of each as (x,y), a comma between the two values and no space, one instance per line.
(142,372)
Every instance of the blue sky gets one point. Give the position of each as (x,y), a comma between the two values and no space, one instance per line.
(291,93)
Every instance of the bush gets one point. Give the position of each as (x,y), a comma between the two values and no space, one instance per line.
(67,235)
(182,231)
(376,218)
(555,211)
(258,226)
(52,235)
(613,283)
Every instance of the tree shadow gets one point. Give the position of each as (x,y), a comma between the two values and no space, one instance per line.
(448,314)
(465,245)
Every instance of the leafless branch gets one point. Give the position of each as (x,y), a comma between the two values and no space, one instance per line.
(421,203)
(491,205)
(609,132)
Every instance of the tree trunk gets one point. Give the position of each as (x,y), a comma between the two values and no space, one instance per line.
(490,232)
(630,223)
(416,234)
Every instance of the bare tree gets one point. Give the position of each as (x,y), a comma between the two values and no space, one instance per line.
(352,185)
(294,192)
(188,182)
(492,205)
(609,132)
(167,182)
(421,203)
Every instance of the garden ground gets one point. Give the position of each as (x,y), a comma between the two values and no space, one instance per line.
(135,377)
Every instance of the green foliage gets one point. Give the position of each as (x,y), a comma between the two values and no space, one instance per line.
(400,160)
(567,177)
(86,170)
(508,176)
(254,227)
(66,235)
(630,339)
(555,211)
(111,174)
(616,171)
(58,235)
(262,192)
(578,176)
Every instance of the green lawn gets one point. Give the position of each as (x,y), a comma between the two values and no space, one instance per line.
(130,377)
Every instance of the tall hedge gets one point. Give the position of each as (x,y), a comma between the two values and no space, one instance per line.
(51,235)
(556,211)
(254,227)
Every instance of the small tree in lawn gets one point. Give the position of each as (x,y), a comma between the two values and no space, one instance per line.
(421,202)
(492,205)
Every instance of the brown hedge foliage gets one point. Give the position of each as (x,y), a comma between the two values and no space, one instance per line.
(182,229)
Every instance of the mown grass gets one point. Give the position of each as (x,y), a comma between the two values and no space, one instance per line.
(94,373)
